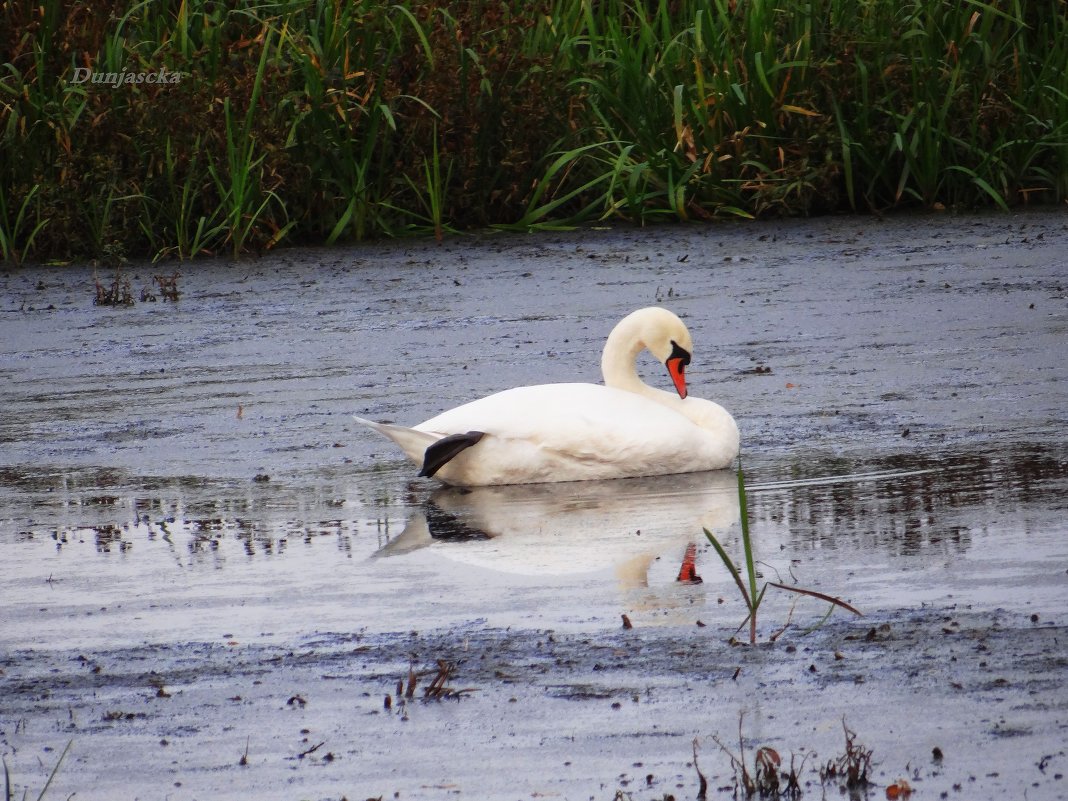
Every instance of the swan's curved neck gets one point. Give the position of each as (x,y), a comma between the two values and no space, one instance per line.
(620,357)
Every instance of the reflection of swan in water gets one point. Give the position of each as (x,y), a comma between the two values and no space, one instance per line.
(577,527)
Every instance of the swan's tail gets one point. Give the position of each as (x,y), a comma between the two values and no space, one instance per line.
(413,442)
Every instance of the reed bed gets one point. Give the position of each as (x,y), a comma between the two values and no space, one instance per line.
(323,121)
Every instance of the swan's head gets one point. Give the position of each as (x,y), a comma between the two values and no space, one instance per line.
(660,332)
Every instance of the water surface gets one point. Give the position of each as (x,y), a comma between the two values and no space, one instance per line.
(186,477)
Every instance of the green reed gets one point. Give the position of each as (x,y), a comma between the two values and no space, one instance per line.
(19,226)
(432,192)
(323,120)
(183,223)
(966,110)
(339,116)
(752,595)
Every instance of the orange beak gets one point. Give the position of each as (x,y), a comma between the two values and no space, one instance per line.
(676,365)
(677,370)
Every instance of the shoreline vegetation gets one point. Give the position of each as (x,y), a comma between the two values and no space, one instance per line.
(321,121)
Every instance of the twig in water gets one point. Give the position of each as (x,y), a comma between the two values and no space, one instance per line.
(413,679)
(793,783)
(786,625)
(437,688)
(742,779)
(311,750)
(437,685)
(702,789)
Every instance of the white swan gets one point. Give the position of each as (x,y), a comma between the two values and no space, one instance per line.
(575,432)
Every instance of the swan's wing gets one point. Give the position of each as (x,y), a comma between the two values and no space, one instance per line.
(446,449)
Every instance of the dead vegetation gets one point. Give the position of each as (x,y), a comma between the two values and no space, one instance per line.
(851,769)
(168,286)
(116,293)
(438,689)
(767,777)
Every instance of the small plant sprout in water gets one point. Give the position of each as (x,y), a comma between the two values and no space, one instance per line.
(752,595)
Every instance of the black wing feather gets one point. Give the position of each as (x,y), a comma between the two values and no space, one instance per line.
(446,449)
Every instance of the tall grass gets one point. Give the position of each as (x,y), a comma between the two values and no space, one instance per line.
(323,120)
(19,227)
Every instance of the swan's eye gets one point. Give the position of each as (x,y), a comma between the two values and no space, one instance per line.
(679,352)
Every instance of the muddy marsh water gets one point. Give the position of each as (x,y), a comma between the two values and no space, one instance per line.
(212,577)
